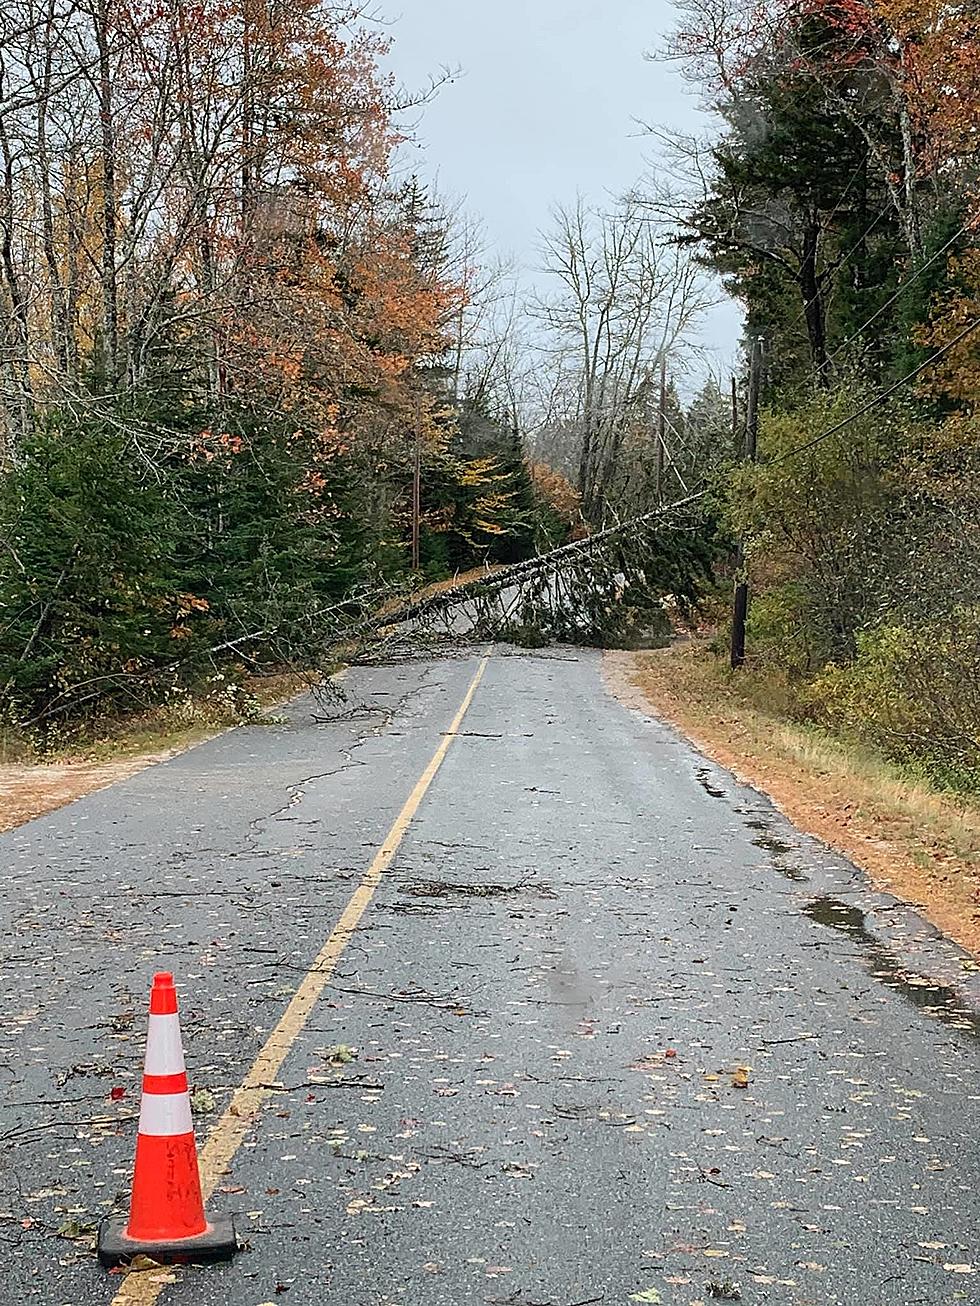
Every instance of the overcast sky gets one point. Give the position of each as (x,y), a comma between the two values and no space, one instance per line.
(544,108)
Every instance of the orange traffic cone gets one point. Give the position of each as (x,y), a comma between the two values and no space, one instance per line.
(166,1216)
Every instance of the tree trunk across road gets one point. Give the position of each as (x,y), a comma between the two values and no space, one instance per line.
(602,1025)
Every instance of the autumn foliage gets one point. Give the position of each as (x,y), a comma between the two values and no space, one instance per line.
(841,207)
(229,324)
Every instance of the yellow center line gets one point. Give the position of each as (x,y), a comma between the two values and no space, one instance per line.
(143,1287)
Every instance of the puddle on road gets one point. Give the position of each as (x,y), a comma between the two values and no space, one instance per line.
(939,1000)
(766,840)
(777,849)
(703,777)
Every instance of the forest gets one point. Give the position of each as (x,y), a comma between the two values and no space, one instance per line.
(837,199)
(255,379)
(240,384)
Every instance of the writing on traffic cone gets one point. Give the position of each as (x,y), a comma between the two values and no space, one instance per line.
(166,1216)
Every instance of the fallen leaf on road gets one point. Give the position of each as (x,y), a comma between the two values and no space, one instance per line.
(141,1262)
(650,1295)
(74,1229)
(740,1079)
(726,1291)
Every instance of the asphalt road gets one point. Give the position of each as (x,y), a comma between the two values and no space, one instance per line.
(585,933)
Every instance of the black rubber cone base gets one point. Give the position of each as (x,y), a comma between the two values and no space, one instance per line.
(216,1243)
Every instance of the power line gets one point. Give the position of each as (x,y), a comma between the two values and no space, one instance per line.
(579,548)
(866,408)
(906,285)
(831,431)
(878,399)
(845,260)
(842,262)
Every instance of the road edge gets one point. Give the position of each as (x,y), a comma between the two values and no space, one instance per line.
(878,863)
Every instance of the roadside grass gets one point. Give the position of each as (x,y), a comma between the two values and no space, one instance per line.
(161,728)
(918,842)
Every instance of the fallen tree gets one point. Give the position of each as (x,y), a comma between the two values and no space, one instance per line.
(597,590)
(605,589)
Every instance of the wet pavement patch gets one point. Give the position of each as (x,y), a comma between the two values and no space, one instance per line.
(445,889)
(703,776)
(939,1000)
(777,850)
(430,896)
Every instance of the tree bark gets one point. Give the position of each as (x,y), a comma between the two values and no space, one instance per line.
(110,291)
(18,336)
(59,318)
(813,305)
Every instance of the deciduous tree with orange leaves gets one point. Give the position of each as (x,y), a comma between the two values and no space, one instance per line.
(227,333)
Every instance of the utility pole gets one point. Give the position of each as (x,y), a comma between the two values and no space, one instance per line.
(741,608)
(417,485)
(661,432)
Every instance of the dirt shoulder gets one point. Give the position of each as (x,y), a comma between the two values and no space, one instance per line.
(29,789)
(921,846)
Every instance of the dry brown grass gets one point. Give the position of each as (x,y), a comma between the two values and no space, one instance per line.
(921,845)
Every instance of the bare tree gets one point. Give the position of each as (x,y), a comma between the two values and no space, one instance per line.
(627,296)
(129,135)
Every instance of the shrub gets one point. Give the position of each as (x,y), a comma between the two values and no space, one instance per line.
(914,694)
